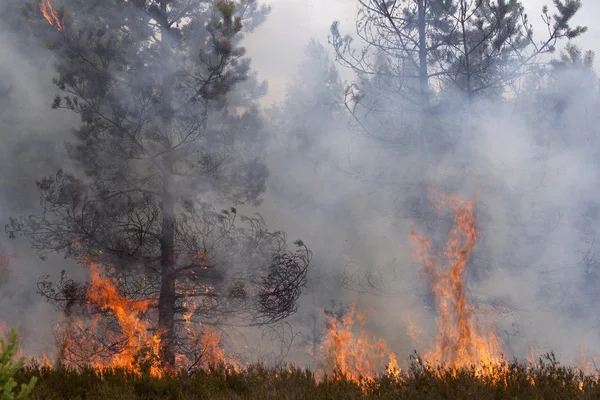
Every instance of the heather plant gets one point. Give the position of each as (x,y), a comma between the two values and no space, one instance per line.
(547,379)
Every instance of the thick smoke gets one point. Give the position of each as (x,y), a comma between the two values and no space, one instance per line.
(532,163)
(32,138)
(354,199)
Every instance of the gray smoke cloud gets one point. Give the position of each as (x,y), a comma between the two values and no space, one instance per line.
(537,214)
(32,136)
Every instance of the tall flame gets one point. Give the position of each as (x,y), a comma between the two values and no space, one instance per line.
(51,15)
(460,340)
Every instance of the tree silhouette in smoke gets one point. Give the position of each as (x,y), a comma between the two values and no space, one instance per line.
(158,144)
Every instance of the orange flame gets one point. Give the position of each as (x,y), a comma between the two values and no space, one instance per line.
(460,341)
(128,347)
(42,361)
(350,352)
(134,330)
(133,345)
(586,362)
(213,352)
(51,15)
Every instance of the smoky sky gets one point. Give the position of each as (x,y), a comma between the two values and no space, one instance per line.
(548,283)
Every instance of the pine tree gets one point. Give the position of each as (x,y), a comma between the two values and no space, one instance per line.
(8,369)
(313,103)
(159,144)
(473,47)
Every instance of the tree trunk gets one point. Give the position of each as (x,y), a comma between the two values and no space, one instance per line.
(167,297)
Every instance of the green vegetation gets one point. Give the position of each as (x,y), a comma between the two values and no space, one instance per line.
(552,381)
(9,368)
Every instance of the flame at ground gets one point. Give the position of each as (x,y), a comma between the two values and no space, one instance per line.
(134,344)
(134,330)
(212,351)
(586,362)
(83,344)
(460,341)
(352,353)
(205,340)
(51,15)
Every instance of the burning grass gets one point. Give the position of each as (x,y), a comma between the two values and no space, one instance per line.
(462,360)
(351,352)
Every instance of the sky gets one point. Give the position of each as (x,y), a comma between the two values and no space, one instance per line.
(293,22)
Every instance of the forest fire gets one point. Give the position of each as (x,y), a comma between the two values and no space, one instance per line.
(134,330)
(51,15)
(128,341)
(460,341)
(120,335)
(161,212)
(348,351)
(94,345)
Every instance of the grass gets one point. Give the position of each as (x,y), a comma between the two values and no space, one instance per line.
(547,380)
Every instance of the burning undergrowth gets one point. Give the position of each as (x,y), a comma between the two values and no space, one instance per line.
(114,333)
(461,342)
(108,345)
(111,331)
